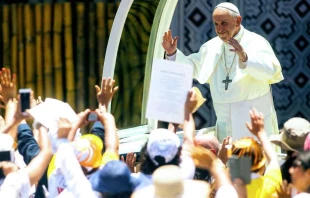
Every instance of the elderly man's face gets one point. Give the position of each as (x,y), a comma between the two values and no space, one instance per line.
(226,25)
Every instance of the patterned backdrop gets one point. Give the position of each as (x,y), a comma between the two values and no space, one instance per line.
(284,23)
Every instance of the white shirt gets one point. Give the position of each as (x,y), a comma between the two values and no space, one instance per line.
(302,195)
(226,191)
(16,185)
(77,185)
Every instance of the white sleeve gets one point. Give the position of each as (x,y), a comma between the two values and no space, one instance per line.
(187,166)
(242,65)
(172,58)
(16,184)
(226,191)
(262,64)
(76,182)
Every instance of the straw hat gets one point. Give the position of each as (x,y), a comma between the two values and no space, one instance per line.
(293,135)
(168,183)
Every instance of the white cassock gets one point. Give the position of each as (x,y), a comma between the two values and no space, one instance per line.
(249,86)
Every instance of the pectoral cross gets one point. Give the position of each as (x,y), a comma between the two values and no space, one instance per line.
(227,81)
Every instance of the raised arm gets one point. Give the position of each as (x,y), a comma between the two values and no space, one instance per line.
(257,128)
(8,96)
(110,136)
(189,124)
(170,44)
(205,159)
(173,54)
(106,92)
(81,122)
(8,85)
(14,115)
(36,168)
(12,118)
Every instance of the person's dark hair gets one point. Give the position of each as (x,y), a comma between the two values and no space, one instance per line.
(118,195)
(202,174)
(148,167)
(285,167)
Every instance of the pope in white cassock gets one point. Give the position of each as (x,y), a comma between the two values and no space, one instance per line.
(239,66)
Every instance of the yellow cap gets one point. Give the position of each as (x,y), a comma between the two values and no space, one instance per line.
(88,150)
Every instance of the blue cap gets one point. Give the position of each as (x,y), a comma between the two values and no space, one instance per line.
(115,177)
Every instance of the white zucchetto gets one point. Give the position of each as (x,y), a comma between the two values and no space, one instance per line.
(228,6)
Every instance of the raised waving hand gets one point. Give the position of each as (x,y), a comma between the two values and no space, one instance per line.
(169,44)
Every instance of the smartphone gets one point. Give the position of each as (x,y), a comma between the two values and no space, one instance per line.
(92,116)
(6,156)
(24,97)
(240,167)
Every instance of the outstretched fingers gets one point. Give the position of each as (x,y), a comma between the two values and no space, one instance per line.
(175,40)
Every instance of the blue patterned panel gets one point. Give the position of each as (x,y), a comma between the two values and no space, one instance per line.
(284,23)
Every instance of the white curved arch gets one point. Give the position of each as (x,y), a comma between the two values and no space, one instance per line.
(115,37)
(156,50)
(164,14)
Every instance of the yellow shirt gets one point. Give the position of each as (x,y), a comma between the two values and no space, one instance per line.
(109,156)
(267,185)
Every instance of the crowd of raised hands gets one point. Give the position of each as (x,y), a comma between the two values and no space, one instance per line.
(61,162)
(35,168)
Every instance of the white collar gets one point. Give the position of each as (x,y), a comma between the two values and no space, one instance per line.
(240,33)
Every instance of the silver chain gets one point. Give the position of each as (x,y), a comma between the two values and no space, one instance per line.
(228,71)
(226,68)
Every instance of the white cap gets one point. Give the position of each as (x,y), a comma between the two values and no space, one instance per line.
(164,143)
(228,6)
